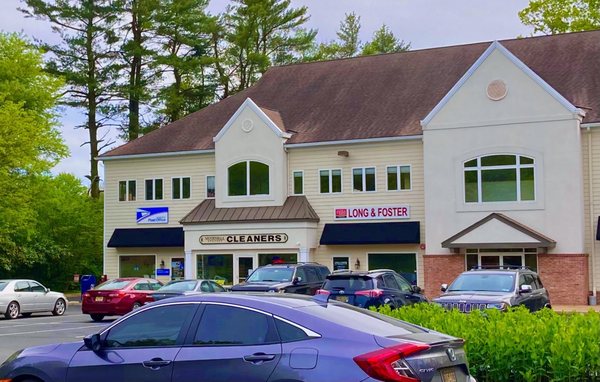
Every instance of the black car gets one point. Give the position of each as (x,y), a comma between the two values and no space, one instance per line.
(301,278)
(371,288)
(498,288)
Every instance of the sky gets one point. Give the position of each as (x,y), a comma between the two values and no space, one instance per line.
(423,23)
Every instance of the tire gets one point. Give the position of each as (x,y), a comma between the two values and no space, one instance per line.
(26,314)
(97,317)
(136,305)
(60,307)
(12,310)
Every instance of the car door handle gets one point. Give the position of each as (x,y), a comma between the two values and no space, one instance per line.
(259,357)
(156,363)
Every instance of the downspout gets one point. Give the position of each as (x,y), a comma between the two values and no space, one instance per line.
(591,191)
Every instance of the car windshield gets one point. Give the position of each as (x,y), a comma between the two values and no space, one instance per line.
(179,286)
(271,274)
(348,284)
(113,285)
(483,282)
(3,284)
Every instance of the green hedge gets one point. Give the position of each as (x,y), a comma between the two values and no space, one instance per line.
(518,345)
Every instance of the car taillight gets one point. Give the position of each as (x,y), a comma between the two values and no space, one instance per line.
(388,364)
(85,295)
(370,293)
(323,291)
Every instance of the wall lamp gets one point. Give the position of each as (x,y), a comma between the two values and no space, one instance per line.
(343,153)
(357,264)
(162,263)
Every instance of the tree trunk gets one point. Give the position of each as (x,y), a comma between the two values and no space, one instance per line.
(135,80)
(92,105)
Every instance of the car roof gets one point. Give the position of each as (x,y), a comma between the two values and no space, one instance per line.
(250,298)
(349,272)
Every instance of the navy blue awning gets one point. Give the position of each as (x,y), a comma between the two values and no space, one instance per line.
(147,237)
(371,233)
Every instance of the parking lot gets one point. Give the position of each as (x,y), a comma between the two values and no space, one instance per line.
(44,328)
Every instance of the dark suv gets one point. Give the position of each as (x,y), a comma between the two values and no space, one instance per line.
(371,288)
(498,288)
(302,278)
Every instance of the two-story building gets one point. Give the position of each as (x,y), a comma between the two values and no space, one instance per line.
(428,162)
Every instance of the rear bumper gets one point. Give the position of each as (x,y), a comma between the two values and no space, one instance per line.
(108,310)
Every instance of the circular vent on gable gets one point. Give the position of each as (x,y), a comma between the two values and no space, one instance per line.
(247,125)
(496,90)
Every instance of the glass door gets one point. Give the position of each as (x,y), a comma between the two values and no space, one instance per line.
(177,268)
(245,265)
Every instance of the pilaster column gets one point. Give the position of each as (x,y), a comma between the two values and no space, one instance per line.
(190,266)
(303,254)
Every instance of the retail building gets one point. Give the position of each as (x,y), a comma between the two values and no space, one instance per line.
(428,162)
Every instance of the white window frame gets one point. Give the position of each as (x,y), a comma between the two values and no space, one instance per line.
(330,176)
(126,191)
(517,167)
(206,187)
(398,177)
(294,185)
(154,188)
(248,180)
(181,187)
(364,179)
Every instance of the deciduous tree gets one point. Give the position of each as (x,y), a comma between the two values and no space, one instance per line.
(561,16)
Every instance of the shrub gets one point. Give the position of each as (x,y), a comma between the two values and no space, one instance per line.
(518,345)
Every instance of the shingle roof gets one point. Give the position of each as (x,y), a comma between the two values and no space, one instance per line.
(295,208)
(380,96)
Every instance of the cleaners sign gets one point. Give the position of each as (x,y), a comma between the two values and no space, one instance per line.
(396,211)
(152,215)
(262,238)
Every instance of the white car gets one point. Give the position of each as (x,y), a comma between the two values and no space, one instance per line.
(28,296)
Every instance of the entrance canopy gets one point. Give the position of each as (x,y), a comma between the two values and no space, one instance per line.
(498,231)
(371,233)
(146,237)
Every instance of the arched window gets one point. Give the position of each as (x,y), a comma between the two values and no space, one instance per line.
(499,178)
(248,178)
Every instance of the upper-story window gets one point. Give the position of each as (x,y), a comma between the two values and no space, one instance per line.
(154,189)
(181,188)
(499,178)
(127,190)
(398,178)
(363,179)
(248,178)
(298,177)
(210,186)
(330,181)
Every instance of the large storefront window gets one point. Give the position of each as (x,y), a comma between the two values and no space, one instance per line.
(277,258)
(216,267)
(248,178)
(494,258)
(403,263)
(137,266)
(499,178)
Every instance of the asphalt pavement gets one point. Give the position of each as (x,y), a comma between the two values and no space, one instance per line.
(44,328)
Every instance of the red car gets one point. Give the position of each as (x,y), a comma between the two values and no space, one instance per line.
(118,297)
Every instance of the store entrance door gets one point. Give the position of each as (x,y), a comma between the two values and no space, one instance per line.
(245,263)
(177,268)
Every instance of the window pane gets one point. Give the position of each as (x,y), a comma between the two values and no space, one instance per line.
(357,184)
(158,189)
(136,266)
(499,185)
(471,163)
(405,177)
(122,190)
(403,263)
(216,267)
(515,261)
(259,178)
(499,160)
(527,184)
(154,327)
(531,261)
(370,179)
(324,181)
(176,188)
(149,189)
(131,191)
(210,186)
(237,179)
(471,193)
(392,178)
(186,188)
(289,333)
(472,261)
(341,263)
(526,160)
(227,325)
(336,180)
(298,183)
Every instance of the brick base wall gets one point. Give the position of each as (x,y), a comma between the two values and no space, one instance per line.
(440,269)
(566,277)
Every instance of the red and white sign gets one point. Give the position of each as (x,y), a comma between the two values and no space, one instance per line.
(397,211)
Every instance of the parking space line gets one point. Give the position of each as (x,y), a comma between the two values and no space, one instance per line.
(51,330)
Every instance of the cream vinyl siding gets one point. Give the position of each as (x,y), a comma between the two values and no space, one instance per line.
(122,214)
(590,227)
(378,155)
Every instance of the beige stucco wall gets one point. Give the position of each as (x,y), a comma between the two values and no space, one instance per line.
(528,121)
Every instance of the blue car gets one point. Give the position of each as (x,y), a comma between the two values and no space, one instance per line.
(225,337)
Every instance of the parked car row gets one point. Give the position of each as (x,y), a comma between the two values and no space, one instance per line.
(24,297)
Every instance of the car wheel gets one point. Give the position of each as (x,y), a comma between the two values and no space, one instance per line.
(136,305)
(13,310)
(59,308)
(26,314)
(97,317)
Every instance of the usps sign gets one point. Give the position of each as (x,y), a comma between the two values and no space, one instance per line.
(152,215)
(397,211)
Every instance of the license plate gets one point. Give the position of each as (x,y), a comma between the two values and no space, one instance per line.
(448,374)
(342,298)
(99,299)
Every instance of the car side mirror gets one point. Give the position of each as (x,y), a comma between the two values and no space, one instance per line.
(416,289)
(444,287)
(296,280)
(525,289)
(46,290)
(93,342)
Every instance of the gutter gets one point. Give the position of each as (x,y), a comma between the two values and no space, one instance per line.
(591,191)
